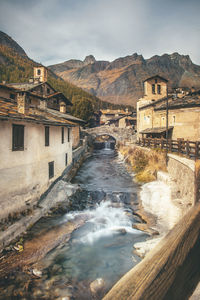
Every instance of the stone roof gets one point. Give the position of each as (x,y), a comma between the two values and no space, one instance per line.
(26,86)
(178,103)
(65,116)
(8,110)
(156,129)
(156,76)
(113,112)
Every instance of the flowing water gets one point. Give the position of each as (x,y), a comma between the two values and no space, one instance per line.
(102,249)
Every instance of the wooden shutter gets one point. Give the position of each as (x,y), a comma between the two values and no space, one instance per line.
(17,137)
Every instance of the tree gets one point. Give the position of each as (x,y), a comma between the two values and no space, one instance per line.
(83,109)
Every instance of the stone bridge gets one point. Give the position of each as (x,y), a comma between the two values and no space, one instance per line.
(119,134)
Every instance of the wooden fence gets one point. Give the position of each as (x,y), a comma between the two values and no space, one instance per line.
(189,148)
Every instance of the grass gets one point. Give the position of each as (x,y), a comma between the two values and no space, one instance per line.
(145,164)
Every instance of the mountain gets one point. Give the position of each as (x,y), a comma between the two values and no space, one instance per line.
(121,81)
(6,40)
(16,66)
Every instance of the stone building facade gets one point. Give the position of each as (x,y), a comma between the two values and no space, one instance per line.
(183,115)
(35,143)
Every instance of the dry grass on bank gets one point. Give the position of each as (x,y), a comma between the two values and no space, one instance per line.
(144,163)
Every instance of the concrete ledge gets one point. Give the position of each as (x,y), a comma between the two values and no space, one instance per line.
(185,161)
(166,272)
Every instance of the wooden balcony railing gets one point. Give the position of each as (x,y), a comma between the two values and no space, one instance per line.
(189,148)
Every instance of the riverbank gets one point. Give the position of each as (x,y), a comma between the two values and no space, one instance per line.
(159,207)
(100,251)
(15,226)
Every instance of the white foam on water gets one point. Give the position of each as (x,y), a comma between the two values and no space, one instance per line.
(105,220)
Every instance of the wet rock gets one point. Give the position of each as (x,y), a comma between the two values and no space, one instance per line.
(97,285)
(122,231)
(56,269)
(37,273)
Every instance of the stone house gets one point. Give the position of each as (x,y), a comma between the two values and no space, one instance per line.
(183,112)
(107,115)
(35,142)
(123,121)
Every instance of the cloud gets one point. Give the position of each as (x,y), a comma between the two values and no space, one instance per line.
(52,31)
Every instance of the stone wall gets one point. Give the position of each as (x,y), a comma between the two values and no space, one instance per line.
(182,173)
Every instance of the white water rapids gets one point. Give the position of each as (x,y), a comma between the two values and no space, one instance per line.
(104,220)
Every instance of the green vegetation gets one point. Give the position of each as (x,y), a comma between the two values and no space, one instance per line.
(15,68)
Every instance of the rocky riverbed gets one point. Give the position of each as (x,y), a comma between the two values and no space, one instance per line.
(85,245)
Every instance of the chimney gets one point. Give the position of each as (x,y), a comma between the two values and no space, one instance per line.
(22,103)
(63,108)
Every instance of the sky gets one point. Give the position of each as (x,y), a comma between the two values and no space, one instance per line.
(53,31)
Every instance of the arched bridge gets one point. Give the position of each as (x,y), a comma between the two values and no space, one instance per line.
(119,134)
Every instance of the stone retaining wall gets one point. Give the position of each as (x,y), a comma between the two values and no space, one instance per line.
(182,173)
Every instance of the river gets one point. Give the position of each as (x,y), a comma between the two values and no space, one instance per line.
(99,252)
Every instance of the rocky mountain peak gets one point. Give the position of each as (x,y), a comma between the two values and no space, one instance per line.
(90,59)
(121,81)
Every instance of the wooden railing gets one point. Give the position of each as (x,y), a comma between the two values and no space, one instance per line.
(189,148)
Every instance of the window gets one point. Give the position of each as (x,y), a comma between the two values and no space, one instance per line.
(17,137)
(156,80)
(153,88)
(174,119)
(38,72)
(56,101)
(12,96)
(62,135)
(48,91)
(158,89)
(66,159)
(68,135)
(51,169)
(46,135)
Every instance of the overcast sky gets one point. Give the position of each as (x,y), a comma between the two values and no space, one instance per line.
(53,31)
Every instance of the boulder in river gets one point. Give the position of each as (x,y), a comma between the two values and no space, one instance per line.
(97,285)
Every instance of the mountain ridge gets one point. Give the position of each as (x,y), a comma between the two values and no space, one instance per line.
(121,81)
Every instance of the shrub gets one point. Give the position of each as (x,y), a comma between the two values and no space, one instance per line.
(145,164)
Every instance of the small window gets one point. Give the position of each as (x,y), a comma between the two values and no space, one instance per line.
(12,96)
(174,119)
(68,135)
(66,159)
(46,135)
(38,72)
(17,137)
(153,88)
(51,169)
(156,80)
(48,91)
(158,89)
(62,135)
